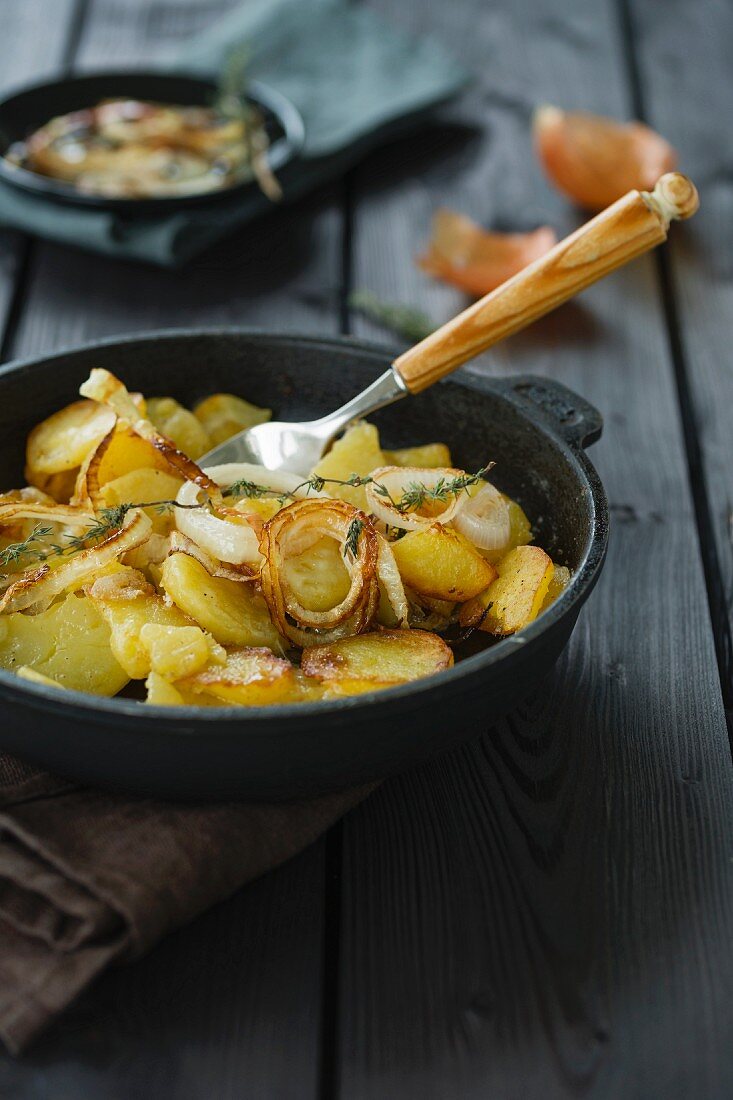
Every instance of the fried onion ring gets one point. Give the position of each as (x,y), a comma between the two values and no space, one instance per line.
(396,480)
(291,532)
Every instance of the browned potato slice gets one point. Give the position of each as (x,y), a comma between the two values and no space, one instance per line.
(318,576)
(430,456)
(439,562)
(233,612)
(144,486)
(357,452)
(560,580)
(180,425)
(252,677)
(223,415)
(516,597)
(60,487)
(63,441)
(368,662)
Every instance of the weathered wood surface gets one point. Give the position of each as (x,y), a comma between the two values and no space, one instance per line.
(546,913)
(541,913)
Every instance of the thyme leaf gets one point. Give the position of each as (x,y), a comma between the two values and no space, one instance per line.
(351,542)
(410,323)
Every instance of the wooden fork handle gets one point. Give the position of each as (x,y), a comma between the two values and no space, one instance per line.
(634,224)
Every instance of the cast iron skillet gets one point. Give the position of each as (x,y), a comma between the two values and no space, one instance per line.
(535,431)
(25,110)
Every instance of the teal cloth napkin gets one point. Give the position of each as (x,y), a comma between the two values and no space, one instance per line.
(355,80)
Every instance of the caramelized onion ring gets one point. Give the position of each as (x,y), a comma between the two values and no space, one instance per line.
(292,531)
(396,480)
(391,582)
(279,481)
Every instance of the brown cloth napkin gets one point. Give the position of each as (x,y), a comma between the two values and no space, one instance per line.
(89,878)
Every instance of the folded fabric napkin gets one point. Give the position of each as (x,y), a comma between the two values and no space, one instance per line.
(355,80)
(89,878)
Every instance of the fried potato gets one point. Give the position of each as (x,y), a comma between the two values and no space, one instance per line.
(561,577)
(60,487)
(231,611)
(127,618)
(69,643)
(368,662)
(186,430)
(516,597)
(441,563)
(162,693)
(179,651)
(223,415)
(357,452)
(252,677)
(63,441)
(318,576)
(122,451)
(430,456)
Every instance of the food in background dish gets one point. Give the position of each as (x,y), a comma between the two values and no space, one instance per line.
(123,560)
(134,149)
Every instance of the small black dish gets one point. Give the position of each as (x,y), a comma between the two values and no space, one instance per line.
(536,431)
(25,110)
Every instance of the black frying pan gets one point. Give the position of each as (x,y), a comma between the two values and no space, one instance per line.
(24,111)
(534,430)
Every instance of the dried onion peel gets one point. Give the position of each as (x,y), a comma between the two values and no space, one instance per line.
(476,260)
(293,530)
(595,160)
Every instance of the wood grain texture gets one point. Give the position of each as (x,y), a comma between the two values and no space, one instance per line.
(231,1006)
(631,226)
(24,56)
(698,275)
(547,912)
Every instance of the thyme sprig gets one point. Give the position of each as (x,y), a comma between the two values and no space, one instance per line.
(407,321)
(413,497)
(15,552)
(34,548)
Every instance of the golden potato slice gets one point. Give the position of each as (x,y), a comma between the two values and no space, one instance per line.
(439,562)
(516,597)
(369,662)
(357,452)
(430,456)
(162,693)
(69,643)
(63,441)
(25,672)
(223,415)
(232,612)
(561,577)
(122,451)
(179,651)
(127,618)
(180,425)
(252,676)
(318,576)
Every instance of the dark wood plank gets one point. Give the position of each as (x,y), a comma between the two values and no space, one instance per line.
(545,913)
(24,56)
(231,1006)
(699,292)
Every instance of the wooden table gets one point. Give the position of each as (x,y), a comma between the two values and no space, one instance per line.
(546,913)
